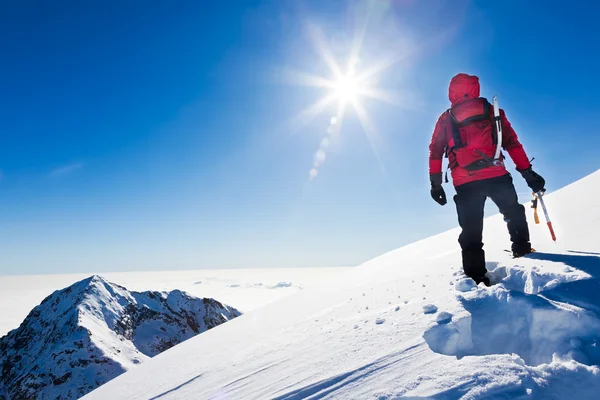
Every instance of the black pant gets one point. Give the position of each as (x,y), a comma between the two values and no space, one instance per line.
(470,202)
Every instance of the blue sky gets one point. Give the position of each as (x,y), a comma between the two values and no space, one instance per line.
(148,135)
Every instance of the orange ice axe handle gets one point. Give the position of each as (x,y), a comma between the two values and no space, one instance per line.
(539,195)
(534,203)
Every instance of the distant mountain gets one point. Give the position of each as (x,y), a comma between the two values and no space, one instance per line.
(83,336)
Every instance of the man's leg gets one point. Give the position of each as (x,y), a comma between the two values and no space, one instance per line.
(470,202)
(502,192)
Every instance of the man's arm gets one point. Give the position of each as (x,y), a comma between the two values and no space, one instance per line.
(436,154)
(437,147)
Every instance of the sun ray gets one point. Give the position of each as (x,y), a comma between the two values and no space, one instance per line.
(380,66)
(325,52)
(381,95)
(299,78)
(308,114)
(358,41)
(365,122)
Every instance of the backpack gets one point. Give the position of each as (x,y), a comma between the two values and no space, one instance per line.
(474,138)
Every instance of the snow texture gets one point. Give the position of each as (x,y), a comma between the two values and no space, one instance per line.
(533,335)
(465,285)
(81,337)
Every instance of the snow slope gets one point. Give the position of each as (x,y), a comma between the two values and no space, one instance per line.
(408,325)
(86,334)
(244,289)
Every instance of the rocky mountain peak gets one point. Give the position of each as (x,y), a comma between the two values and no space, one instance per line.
(92,331)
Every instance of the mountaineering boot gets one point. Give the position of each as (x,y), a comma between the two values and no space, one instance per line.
(484,279)
(521,249)
(474,264)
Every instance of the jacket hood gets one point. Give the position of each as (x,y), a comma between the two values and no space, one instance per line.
(462,87)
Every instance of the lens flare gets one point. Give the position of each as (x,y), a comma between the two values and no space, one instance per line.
(350,82)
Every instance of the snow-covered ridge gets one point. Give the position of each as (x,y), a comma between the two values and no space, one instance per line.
(408,324)
(82,336)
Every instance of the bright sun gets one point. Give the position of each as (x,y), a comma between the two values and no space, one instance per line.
(347,88)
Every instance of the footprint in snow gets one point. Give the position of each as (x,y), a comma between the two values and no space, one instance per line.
(429,309)
(397,308)
(379,321)
(465,285)
(443,318)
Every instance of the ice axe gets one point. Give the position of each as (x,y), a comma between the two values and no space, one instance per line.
(538,197)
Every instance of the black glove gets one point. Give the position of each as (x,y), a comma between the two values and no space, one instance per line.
(534,181)
(437,191)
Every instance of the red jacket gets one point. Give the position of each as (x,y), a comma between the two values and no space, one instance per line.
(463,87)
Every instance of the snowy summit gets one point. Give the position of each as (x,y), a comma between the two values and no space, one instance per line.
(80,337)
(408,325)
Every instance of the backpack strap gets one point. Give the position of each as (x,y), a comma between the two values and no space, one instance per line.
(455,131)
